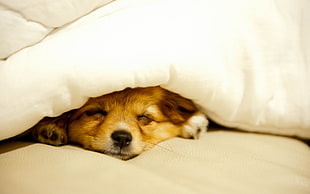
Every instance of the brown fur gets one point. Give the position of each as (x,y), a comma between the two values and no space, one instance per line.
(151,115)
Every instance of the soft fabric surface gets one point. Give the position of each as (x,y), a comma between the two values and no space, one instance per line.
(245,63)
(25,23)
(221,162)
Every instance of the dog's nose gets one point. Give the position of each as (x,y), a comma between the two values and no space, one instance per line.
(121,138)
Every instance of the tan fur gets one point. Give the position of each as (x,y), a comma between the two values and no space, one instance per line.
(151,115)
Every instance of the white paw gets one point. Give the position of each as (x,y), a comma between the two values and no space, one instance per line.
(195,127)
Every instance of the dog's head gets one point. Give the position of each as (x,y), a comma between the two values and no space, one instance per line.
(124,124)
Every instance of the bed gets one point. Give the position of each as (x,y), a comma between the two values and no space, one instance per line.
(246,64)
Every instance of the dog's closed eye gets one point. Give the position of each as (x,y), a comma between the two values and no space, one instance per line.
(96,113)
(144,119)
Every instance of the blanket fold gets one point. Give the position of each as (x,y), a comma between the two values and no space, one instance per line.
(246,64)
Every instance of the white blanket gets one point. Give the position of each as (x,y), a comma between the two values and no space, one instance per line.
(245,63)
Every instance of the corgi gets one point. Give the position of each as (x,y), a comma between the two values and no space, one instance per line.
(125,123)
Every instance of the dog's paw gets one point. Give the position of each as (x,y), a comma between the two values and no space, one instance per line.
(50,134)
(195,126)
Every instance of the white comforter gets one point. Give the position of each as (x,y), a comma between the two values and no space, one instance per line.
(245,63)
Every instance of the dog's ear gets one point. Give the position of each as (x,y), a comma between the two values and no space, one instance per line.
(63,120)
(176,107)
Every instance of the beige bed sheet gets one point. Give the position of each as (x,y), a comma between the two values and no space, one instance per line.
(220,162)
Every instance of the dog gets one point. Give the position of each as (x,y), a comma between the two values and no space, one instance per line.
(125,123)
